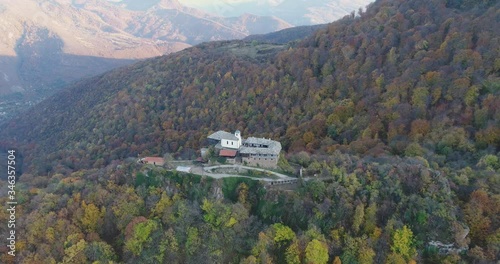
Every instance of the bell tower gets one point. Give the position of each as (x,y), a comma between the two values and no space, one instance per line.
(237,134)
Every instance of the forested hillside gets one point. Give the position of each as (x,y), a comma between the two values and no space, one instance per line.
(286,35)
(398,108)
(423,81)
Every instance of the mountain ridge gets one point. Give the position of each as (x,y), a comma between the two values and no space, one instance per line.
(286,35)
(42,34)
(311,114)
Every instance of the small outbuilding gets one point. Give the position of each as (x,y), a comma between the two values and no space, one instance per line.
(183,169)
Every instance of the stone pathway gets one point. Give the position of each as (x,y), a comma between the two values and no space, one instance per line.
(207,171)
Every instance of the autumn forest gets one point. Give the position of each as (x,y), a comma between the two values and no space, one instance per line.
(394,109)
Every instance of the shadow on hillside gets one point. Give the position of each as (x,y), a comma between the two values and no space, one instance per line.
(44,72)
(24,82)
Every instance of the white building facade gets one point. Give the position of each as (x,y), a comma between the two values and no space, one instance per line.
(227,140)
(253,151)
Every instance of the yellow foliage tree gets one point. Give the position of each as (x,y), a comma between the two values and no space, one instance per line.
(92,217)
(402,243)
(316,252)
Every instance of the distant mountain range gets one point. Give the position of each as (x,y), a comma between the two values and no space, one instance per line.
(296,12)
(50,43)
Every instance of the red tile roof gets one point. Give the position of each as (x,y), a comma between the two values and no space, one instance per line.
(154,160)
(228,153)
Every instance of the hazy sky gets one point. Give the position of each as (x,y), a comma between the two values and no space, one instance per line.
(228,7)
(295,12)
(219,2)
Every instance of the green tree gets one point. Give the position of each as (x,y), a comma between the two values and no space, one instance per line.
(359,215)
(161,206)
(316,252)
(76,253)
(420,97)
(283,234)
(316,189)
(100,252)
(395,258)
(141,236)
(365,255)
(193,241)
(292,254)
(127,206)
(261,249)
(243,193)
(92,217)
(217,214)
(403,243)
(370,218)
